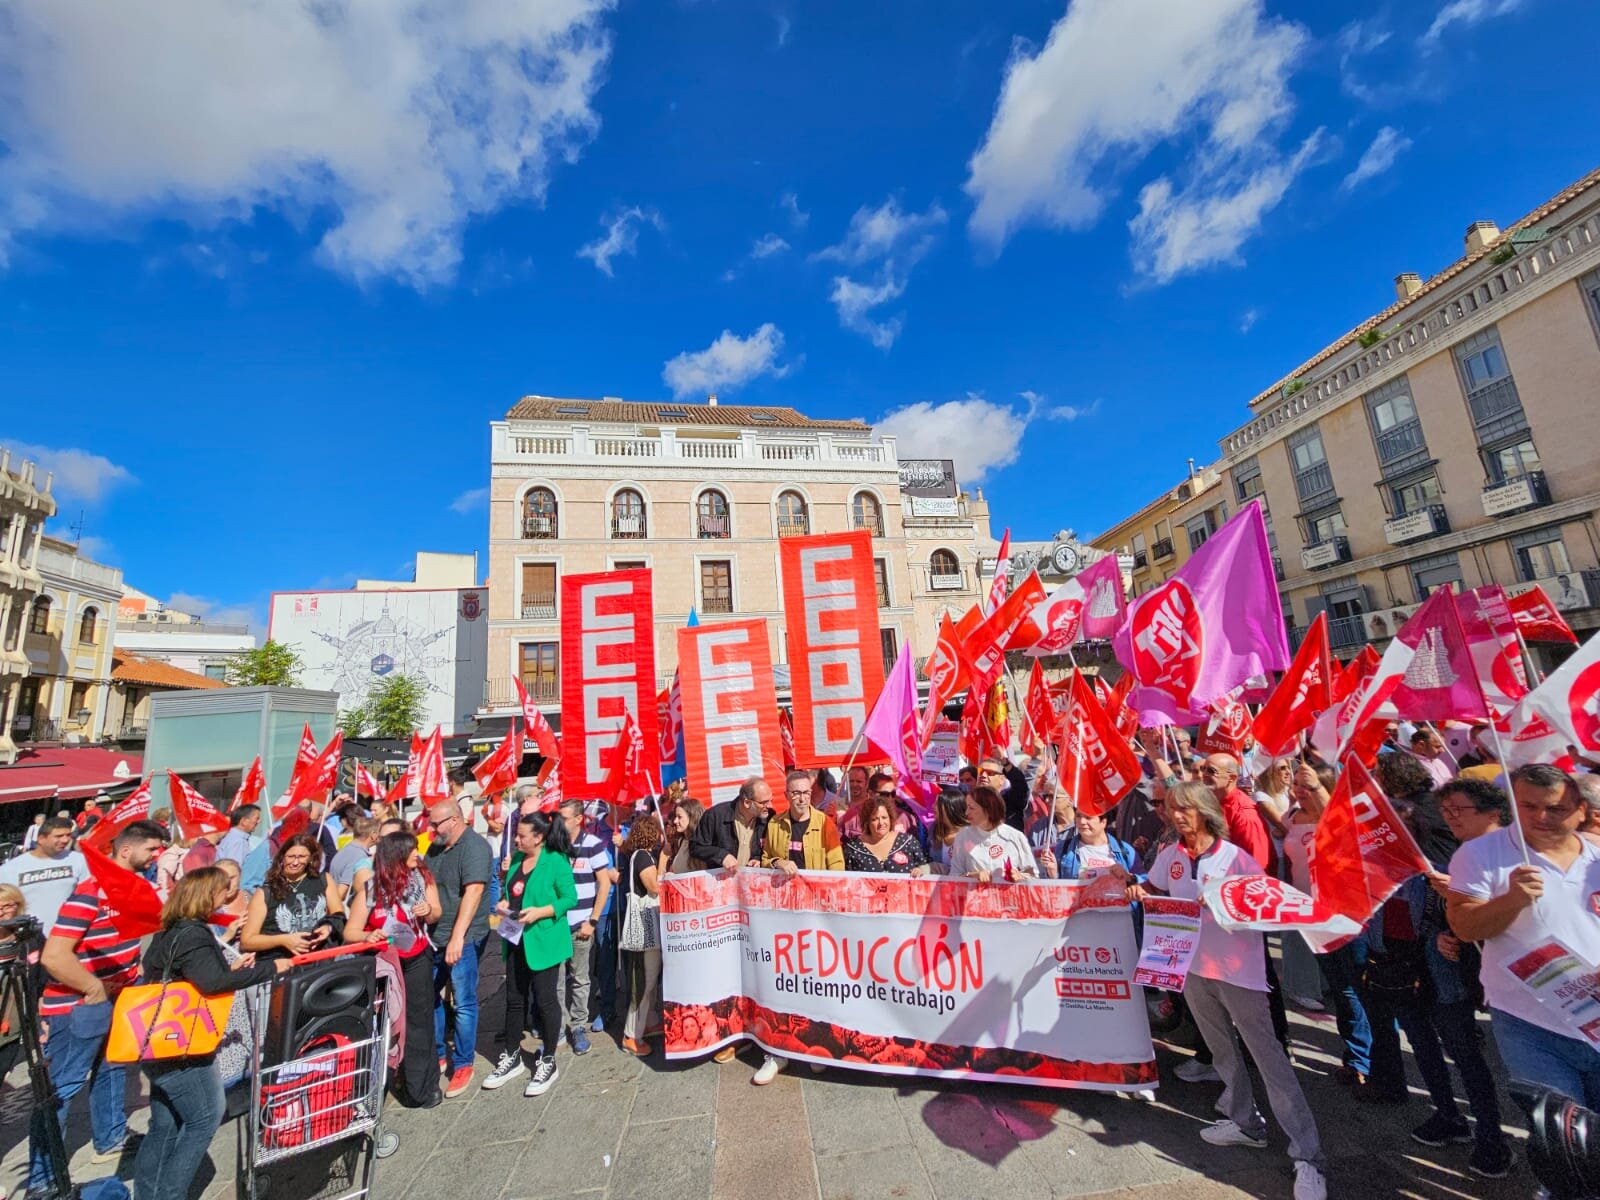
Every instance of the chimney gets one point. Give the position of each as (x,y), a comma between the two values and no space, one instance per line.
(1481,235)
(1191,468)
(1406,285)
(712,399)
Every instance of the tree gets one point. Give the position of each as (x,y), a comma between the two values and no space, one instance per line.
(353,721)
(395,707)
(271,665)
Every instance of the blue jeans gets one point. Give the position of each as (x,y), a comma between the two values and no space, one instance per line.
(462,1016)
(1539,1056)
(1341,969)
(186,1107)
(75,1053)
(604,966)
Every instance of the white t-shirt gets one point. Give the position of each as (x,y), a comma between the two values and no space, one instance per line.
(975,850)
(45,882)
(1568,910)
(1094,861)
(1297,850)
(1238,958)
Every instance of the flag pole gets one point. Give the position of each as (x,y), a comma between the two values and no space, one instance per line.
(1500,753)
(1534,679)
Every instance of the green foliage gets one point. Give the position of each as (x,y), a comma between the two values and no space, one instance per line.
(1372,337)
(271,665)
(1293,386)
(395,707)
(1503,255)
(353,721)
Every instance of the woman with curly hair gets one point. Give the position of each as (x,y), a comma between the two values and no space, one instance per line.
(396,901)
(640,876)
(297,907)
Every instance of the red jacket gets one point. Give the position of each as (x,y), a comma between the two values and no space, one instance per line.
(1246,829)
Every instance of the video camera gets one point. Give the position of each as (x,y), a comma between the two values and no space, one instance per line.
(1563,1143)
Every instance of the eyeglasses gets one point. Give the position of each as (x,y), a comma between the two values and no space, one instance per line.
(991,771)
(1457,810)
(889,795)
(799,791)
(441,822)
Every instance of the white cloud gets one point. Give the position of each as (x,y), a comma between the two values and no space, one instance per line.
(1468,13)
(978,434)
(1387,146)
(470,501)
(79,474)
(1248,319)
(621,236)
(402,120)
(768,245)
(1116,78)
(790,203)
(1175,232)
(729,362)
(785,28)
(97,548)
(217,613)
(885,243)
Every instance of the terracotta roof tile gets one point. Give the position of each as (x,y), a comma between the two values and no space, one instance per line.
(148,672)
(629,412)
(1570,192)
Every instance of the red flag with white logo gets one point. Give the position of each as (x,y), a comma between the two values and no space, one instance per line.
(1041,712)
(535,725)
(1538,619)
(730,709)
(946,671)
(1262,904)
(1008,627)
(431,781)
(251,786)
(1568,705)
(628,781)
(499,770)
(1095,766)
(1227,728)
(1002,567)
(1491,635)
(1304,691)
(135,806)
(130,901)
(1362,851)
(366,783)
(317,780)
(305,759)
(193,812)
(608,669)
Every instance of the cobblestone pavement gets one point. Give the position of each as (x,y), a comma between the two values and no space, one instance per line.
(616,1127)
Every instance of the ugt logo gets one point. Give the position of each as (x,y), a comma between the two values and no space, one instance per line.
(1168,640)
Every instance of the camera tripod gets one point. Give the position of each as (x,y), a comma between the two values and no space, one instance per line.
(19,996)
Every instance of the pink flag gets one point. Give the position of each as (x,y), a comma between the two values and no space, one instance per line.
(1089,605)
(1209,628)
(892,725)
(1491,634)
(1441,682)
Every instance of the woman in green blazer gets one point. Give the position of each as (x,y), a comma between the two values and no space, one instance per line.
(538,893)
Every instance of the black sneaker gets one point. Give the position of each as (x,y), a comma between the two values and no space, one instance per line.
(1442,1129)
(544,1078)
(1491,1161)
(507,1069)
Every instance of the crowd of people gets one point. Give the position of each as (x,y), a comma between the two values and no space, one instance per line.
(1514,860)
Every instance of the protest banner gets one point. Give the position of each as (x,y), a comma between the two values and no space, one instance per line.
(830,601)
(1171,936)
(941,757)
(729,709)
(1566,985)
(938,977)
(608,668)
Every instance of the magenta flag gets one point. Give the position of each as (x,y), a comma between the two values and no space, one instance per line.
(1208,629)
(892,726)
(1441,681)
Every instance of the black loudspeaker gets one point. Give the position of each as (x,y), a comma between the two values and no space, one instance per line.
(334,996)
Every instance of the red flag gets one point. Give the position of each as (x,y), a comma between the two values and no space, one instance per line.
(786,738)
(251,786)
(536,726)
(1227,728)
(1305,690)
(304,759)
(628,781)
(1334,729)
(431,782)
(130,901)
(400,790)
(1096,766)
(1440,682)
(1491,635)
(194,813)
(997,721)
(729,709)
(550,781)
(1125,716)
(946,671)
(366,781)
(317,780)
(1566,704)
(1537,619)
(1362,852)
(1002,568)
(135,806)
(499,770)
(1008,627)
(1041,711)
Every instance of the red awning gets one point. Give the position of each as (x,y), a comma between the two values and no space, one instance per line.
(69,772)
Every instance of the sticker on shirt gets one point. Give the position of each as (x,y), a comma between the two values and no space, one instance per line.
(797,847)
(996,850)
(899,858)
(1177,871)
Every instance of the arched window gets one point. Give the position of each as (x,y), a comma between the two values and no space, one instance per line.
(39,618)
(87,624)
(711,515)
(943,570)
(627,514)
(866,513)
(539,514)
(793,520)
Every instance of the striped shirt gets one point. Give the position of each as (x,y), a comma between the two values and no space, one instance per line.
(101,949)
(589,856)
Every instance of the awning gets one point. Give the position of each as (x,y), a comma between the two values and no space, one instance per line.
(67,773)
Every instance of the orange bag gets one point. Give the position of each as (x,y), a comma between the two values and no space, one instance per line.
(155,1022)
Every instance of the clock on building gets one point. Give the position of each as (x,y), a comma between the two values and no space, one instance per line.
(1064,558)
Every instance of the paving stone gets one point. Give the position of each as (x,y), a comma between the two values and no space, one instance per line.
(666,1160)
(878,1174)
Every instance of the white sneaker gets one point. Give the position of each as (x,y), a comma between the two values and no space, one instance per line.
(1309,1183)
(505,1070)
(1226,1133)
(768,1070)
(1195,1071)
(1148,1095)
(544,1078)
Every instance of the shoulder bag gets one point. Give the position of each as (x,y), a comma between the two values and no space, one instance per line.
(641,920)
(161,1022)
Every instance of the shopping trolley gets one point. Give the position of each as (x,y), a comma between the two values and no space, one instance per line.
(331,1093)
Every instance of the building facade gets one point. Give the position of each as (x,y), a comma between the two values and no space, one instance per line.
(1160,537)
(698,493)
(25,505)
(1447,439)
(69,640)
(151,630)
(948,543)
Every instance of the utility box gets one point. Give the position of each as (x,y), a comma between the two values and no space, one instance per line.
(211,736)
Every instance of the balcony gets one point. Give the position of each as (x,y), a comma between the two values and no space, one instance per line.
(713,527)
(1162,549)
(873,525)
(627,527)
(502,693)
(1400,441)
(793,528)
(1514,495)
(1140,560)
(534,443)
(1314,481)
(1346,632)
(952,582)
(539,608)
(1412,526)
(1495,400)
(1324,554)
(538,527)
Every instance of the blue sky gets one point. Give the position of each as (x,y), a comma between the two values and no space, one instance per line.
(268,276)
